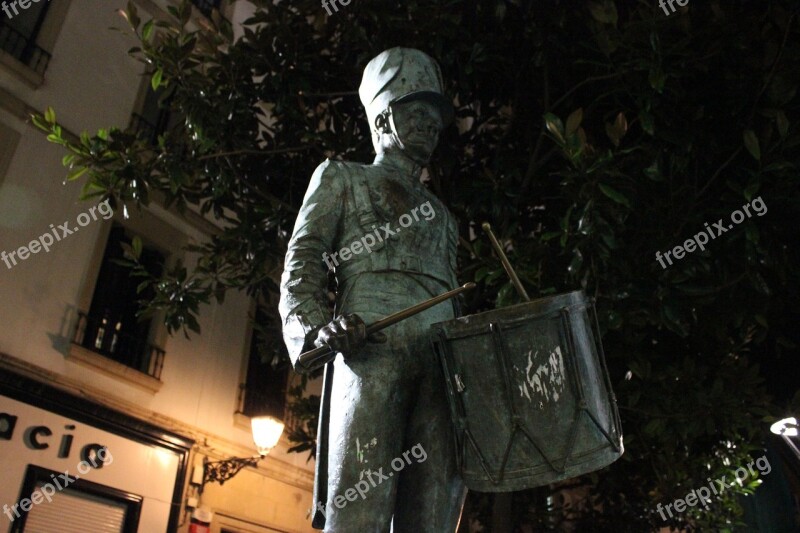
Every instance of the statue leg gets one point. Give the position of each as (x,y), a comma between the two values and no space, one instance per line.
(369,407)
(431,493)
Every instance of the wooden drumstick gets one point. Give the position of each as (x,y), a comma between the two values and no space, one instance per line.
(503,259)
(317,357)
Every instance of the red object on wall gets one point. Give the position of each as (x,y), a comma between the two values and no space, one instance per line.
(198,526)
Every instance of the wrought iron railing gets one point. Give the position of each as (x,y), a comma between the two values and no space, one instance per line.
(23,48)
(254,402)
(101,336)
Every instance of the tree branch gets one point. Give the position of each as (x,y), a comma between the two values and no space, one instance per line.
(255,152)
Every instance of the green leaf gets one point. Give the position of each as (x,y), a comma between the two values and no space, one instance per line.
(751,190)
(186,12)
(647,122)
(653,172)
(155,81)
(137,246)
(554,126)
(192,323)
(91,190)
(50,115)
(616,130)
(147,30)
(133,15)
(604,12)
(614,195)
(752,145)
(77,173)
(574,120)
(39,122)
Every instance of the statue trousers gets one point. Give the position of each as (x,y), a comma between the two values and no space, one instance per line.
(391,453)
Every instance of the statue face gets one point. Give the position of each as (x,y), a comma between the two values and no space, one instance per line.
(418,125)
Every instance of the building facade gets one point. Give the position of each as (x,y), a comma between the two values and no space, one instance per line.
(105,419)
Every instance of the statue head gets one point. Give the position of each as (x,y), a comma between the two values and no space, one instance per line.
(402,93)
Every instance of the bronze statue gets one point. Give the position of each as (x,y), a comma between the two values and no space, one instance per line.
(391,244)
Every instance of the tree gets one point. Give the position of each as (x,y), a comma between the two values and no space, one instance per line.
(591,137)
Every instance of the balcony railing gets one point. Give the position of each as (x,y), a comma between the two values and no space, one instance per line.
(254,402)
(101,336)
(23,48)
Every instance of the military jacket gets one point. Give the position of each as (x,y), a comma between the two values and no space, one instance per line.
(356,219)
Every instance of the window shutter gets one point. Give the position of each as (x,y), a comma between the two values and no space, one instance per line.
(73,511)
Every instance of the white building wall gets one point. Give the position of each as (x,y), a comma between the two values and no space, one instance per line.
(92,83)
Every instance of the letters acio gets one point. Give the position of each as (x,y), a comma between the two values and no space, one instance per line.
(37,437)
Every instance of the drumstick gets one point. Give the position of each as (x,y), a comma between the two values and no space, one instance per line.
(317,357)
(503,259)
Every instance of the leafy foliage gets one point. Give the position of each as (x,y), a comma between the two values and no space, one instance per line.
(591,137)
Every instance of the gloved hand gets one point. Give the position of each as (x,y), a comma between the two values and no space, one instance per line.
(346,334)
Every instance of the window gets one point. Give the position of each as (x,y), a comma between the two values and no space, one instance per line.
(264,390)
(155,116)
(83,506)
(111,327)
(19,30)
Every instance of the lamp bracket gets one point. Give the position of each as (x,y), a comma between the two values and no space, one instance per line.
(222,471)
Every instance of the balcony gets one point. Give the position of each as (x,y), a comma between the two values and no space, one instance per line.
(257,402)
(22,48)
(95,334)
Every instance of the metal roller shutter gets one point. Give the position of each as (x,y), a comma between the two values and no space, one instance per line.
(73,511)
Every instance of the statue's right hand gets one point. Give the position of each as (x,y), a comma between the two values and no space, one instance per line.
(346,334)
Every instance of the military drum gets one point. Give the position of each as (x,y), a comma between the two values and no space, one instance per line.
(529,393)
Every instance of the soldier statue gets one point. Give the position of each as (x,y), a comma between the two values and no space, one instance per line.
(383,395)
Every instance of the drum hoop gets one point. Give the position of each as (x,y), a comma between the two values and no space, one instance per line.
(507,323)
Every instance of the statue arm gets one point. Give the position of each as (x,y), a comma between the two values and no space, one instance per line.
(304,302)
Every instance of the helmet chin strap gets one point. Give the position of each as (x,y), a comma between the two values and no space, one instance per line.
(384,123)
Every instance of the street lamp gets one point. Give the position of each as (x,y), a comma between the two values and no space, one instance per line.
(787,427)
(267,432)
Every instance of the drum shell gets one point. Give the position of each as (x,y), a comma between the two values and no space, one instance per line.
(529,393)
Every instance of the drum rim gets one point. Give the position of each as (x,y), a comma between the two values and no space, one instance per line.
(538,308)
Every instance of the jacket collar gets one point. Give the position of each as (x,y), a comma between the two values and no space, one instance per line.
(399,162)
